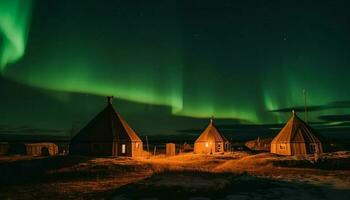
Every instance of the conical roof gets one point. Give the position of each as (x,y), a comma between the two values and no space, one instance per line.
(107,126)
(211,133)
(296,131)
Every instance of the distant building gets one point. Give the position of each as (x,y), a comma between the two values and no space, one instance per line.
(4,147)
(211,141)
(33,149)
(186,147)
(108,134)
(41,149)
(259,144)
(296,138)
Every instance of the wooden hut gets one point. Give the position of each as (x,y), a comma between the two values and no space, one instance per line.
(41,149)
(108,134)
(296,138)
(211,141)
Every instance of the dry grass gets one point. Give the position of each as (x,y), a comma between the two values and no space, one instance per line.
(75,177)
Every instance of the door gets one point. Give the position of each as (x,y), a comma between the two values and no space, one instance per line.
(123,149)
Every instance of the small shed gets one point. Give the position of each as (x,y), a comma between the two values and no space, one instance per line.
(4,147)
(41,149)
(170,149)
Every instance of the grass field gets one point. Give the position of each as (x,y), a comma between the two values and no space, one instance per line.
(239,175)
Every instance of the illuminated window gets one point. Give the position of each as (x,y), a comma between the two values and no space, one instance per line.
(137,145)
(123,148)
(206,144)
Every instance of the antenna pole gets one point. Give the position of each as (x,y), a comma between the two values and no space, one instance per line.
(154,150)
(305,105)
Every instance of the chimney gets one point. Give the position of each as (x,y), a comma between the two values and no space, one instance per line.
(109,100)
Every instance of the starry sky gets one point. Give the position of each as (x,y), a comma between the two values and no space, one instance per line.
(171,65)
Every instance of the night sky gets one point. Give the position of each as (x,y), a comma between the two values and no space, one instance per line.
(171,65)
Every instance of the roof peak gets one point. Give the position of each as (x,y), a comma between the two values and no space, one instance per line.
(211,119)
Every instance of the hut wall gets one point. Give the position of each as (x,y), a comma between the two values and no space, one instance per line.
(298,149)
(98,149)
(81,148)
(137,149)
(273,148)
(204,147)
(281,148)
(42,149)
(130,149)
(200,148)
(91,148)
(54,150)
(114,149)
(33,150)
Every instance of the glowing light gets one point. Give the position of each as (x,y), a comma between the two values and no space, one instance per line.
(14,24)
(164,67)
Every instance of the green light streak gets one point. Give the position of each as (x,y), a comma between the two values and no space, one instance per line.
(147,59)
(14,24)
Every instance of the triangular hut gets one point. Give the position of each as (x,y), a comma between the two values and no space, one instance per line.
(108,134)
(211,141)
(296,138)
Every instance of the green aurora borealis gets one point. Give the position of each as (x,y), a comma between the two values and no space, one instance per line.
(14,22)
(229,59)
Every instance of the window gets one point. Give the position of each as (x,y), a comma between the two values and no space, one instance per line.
(283,146)
(137,145)
(219,147)
(206,144)
(312,148)
(123,148)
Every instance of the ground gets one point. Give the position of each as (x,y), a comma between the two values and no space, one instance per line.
(238,175)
